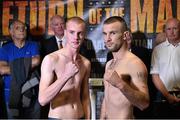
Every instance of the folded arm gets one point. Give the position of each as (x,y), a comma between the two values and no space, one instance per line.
(4,68)
(161,87)
(36,61)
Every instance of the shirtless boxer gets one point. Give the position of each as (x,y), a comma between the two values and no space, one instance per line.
(64,76)
(125,77)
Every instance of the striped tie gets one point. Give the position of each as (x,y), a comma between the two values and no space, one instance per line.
(60,44)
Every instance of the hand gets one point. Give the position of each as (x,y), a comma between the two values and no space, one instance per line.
(108,73)
(71,69)
(126,78)
(172,99)
(113,78)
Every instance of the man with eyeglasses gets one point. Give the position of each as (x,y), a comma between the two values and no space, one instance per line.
(18,62)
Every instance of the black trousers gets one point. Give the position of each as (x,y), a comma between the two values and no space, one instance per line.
(164,110)
(31,112)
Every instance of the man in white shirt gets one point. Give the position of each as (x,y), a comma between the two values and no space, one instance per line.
(165,70)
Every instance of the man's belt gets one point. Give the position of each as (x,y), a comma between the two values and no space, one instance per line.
(175,93)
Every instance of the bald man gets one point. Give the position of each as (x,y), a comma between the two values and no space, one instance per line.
(165,70)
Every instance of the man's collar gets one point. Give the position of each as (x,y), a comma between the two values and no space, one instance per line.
(167,43)
(62,39)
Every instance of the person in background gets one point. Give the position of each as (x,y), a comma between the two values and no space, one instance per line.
(18,62)
(64,76)
(125,77)
(57,41)
(165,70)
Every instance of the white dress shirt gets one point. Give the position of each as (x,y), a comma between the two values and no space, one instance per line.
(166,62)
(62,39)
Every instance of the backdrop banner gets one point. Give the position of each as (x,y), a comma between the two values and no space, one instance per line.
(145,18)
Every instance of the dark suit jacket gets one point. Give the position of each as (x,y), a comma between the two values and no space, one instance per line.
(48,46)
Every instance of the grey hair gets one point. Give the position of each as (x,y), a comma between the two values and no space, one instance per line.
(13,23)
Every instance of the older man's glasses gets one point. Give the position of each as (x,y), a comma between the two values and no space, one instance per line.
(20,28)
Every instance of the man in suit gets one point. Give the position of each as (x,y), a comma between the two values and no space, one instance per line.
(57,24)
